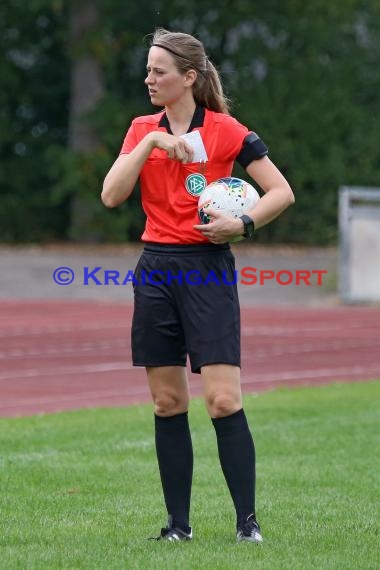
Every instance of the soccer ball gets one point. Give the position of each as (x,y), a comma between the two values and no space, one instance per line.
(232,196)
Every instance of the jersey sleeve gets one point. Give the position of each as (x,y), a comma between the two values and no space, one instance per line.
(130,140)
(253,149)
(241,144)
(231,136)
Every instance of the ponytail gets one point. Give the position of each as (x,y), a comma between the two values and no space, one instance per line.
(208,90)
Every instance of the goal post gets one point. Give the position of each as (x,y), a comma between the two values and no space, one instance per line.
(359,244)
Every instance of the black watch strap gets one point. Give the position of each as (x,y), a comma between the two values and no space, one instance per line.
(249,226)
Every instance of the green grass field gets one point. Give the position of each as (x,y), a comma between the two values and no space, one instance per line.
(81,489)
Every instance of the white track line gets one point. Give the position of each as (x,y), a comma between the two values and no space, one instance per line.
(67,371)
(310,374)
(99,395)
(121,347)
(54,329)
(246,330)
(298,330)
(245,379)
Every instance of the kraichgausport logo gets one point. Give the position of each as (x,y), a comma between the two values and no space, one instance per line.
(246,276)
(195,184)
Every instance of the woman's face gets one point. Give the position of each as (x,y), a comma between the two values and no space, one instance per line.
(165,84)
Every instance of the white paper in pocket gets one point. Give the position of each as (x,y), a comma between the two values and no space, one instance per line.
(195,141)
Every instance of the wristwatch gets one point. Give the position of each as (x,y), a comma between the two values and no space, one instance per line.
(249,226)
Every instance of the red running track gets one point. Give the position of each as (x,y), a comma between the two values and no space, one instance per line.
(57,356)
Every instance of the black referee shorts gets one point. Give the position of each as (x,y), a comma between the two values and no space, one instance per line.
(186,303)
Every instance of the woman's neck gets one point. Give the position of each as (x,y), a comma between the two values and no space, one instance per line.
(179,116)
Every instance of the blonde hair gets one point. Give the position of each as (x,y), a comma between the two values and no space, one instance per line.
(189,53)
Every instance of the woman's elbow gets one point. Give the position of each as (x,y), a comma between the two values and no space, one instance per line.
(290,198)
(107,198)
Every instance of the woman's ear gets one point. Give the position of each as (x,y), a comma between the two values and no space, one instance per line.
(190,77)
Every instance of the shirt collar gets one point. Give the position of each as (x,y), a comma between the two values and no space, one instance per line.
(196,121)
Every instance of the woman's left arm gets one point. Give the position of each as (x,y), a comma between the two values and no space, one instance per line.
(277,197)
(278,194)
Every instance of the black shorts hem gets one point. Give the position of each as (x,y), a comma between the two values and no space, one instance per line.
(158,365)
(197,369)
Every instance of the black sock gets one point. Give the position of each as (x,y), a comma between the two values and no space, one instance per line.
(237,458)
(175,460)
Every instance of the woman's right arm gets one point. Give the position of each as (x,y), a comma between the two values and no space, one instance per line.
(121,179)
(123,175)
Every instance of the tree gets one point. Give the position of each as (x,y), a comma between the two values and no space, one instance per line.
(33,119)
(87,90)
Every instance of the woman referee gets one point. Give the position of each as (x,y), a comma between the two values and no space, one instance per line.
(173,318)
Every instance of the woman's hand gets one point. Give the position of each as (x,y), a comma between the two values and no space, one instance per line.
(176,147)
(222,228)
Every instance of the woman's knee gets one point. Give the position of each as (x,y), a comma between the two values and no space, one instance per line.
(222,390)
(169,404)
(224,404)
(169,389)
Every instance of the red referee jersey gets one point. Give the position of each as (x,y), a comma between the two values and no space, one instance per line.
(170,189)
